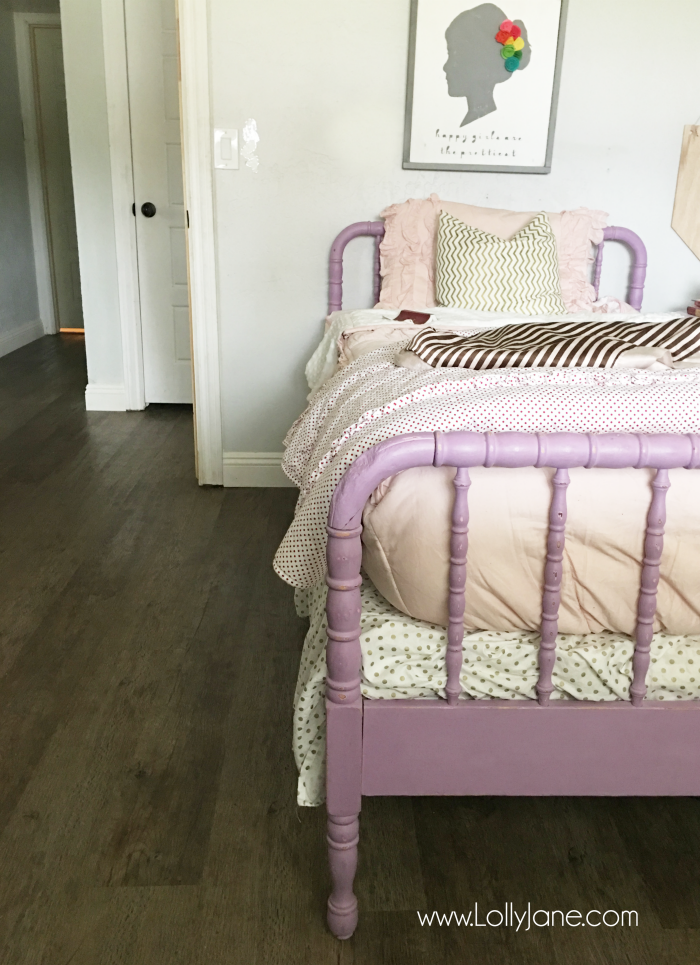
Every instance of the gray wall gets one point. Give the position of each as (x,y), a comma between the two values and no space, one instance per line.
(19,307)
(325,81)
(83,54)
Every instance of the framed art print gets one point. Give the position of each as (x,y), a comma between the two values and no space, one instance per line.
(483,81)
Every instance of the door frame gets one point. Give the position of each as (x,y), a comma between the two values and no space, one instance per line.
(119,127)
(38,214)
(195,115)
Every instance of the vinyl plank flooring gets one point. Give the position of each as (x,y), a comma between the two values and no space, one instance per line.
(390,876)
(662,838)
(148,656)
(48,371)
(92,612)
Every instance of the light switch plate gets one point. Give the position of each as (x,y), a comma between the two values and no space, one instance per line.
(226,148)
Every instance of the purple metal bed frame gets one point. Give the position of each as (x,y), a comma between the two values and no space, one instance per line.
(493,747)
(376,230)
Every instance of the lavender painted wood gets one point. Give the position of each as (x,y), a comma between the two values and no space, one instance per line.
(646,607)
(377,267)
(635,293)
(457,582)
(516,747)
(483,747)
(335,264)
(343,722)
(343,837)
(551,598)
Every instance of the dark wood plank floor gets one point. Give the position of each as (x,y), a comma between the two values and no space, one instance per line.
(147,790)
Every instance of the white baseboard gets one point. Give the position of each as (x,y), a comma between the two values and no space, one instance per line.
(29,332)
(259,469)
(105,398)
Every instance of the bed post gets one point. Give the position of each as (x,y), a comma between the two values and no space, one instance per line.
(344,723)
(635,293)
(374,229)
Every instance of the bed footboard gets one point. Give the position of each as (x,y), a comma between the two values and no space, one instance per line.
(494,747)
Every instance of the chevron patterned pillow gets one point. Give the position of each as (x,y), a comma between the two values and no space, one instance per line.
(480,271)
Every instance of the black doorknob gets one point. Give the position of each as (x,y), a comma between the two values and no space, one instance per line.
(148,209)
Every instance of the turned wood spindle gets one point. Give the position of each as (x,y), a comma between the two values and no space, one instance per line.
(458,579)
(343,723)
(551,597)
(646,605)
(343,838)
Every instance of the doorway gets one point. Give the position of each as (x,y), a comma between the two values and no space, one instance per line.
(116,243)
(159,203)
(47,148)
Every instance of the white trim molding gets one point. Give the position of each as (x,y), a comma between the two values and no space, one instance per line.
(18,337)
(259,469)
(195,103)
(119,126)
(37,204)
(105,398)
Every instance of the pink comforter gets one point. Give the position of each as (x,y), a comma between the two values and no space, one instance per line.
(406,523)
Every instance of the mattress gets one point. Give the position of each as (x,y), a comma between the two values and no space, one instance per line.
(406,548)
(404,657)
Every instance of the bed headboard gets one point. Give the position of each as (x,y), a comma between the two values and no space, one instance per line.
(375,229)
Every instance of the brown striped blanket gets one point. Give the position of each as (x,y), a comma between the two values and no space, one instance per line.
(555,344)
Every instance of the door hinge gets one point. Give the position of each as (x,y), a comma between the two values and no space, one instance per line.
(133,209)
(188,219)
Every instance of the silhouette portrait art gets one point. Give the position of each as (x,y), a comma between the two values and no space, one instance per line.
(484,49)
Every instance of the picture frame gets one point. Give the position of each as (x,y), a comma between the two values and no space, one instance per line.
(479,98)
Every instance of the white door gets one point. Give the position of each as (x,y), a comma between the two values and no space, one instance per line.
(57,182)
(151,38)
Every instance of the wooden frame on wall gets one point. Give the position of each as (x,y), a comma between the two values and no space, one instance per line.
(195,112)
(473,101)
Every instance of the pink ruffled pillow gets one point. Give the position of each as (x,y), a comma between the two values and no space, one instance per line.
(408,248)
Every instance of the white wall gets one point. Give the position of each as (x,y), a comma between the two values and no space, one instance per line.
(19,305)
(83,53)
(325,81)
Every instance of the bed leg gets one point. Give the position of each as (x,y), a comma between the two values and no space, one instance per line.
(343,722)
(343,838)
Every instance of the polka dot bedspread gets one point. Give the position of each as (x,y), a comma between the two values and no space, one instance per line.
(402,657)
(372,399)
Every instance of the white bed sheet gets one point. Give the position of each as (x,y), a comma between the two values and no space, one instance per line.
(402,658)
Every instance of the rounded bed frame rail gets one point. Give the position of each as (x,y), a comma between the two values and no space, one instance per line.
(462,451)
(638,273)
(360,229)
(375,229)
